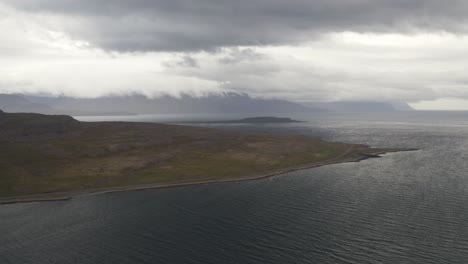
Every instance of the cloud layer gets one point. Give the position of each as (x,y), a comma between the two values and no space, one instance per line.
(300,50)
(186,25)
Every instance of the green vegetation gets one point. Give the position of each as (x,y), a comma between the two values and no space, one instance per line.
(42,154)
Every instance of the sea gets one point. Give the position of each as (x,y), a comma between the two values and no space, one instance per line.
(406,207)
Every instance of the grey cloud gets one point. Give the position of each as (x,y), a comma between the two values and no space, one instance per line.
(185,61)
(237,55)
(269,78)
(188,62)
(185,25)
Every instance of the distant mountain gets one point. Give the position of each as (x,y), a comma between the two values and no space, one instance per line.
(361,107)
(18,103)
(216,103)
(139,104)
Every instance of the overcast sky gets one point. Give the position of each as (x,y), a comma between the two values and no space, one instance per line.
(302,50)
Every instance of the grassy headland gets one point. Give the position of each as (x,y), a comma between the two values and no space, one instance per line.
(46,154)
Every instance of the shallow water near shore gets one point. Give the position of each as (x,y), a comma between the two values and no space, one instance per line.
(408,207)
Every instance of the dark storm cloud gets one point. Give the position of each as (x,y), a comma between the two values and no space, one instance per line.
(187,25)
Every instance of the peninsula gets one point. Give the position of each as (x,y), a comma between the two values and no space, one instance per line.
(249,120)
(54,156)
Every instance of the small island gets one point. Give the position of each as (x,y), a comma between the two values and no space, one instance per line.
(53,157)
(249,120)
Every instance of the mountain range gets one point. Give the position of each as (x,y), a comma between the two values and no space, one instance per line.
(215,103)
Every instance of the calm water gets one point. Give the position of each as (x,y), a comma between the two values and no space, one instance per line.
(403,208)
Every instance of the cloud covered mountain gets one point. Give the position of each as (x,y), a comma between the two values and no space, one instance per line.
(18,103)
(140,104)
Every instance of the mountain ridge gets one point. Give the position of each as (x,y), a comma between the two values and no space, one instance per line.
(140,104)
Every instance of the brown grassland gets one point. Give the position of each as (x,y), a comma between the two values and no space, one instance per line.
(46,154)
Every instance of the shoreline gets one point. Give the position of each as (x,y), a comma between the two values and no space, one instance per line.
(68,195)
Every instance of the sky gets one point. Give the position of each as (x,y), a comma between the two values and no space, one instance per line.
(414,51)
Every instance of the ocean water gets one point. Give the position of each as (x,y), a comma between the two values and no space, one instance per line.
(407,207)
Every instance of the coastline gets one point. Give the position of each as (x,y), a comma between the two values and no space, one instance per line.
(68,195)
